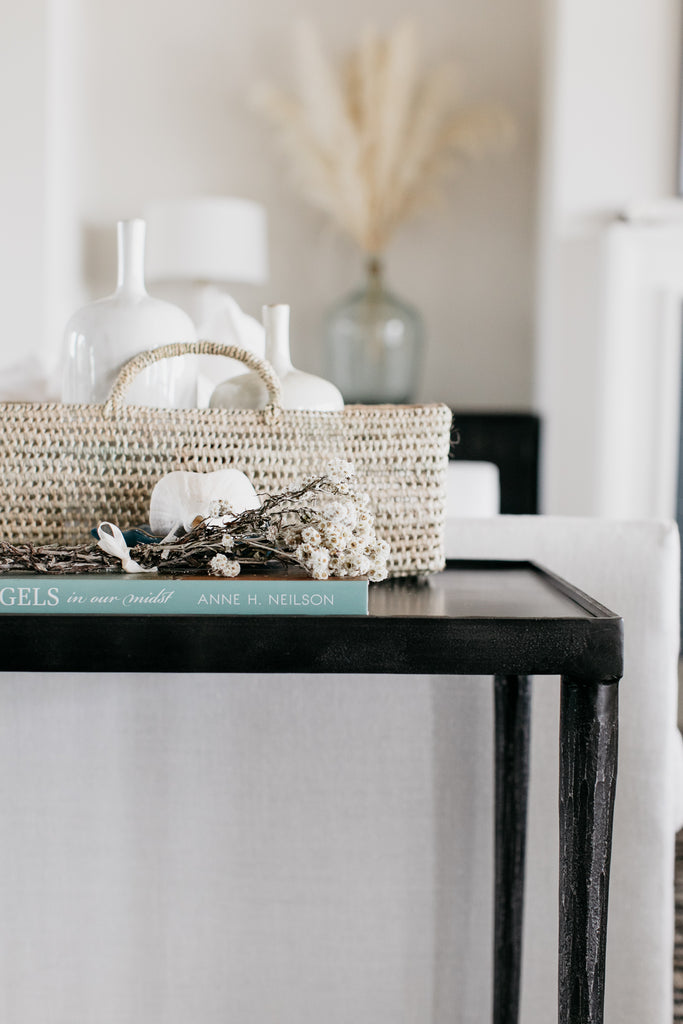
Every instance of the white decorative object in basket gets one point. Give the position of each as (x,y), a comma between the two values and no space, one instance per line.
(299,390)
(65,467)
(179,497)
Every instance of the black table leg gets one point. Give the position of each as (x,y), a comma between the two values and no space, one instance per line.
(588,765)
(513,702)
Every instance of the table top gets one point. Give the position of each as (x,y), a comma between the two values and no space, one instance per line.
(495,590)
(473,618)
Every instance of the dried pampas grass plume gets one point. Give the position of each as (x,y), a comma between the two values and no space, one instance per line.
(372,142)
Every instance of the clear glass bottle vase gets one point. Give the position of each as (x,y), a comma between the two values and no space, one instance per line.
(373,344)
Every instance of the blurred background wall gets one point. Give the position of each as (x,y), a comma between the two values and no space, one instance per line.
(104,107)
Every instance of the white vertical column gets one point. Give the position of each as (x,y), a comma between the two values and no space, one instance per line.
(23,44)
(609,137)
(613,392)
(39,257)
(63,231)
(636,449)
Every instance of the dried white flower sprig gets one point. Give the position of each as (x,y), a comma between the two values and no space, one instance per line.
(325,527)
(372,140)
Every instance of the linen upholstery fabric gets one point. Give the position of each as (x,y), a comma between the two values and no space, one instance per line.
(633,568)
(472,489)
(302,849)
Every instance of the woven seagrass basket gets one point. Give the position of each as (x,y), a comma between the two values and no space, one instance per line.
(63,468)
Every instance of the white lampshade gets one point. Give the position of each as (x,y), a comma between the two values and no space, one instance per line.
(214,239)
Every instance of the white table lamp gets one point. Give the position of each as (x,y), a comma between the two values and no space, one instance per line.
(208,240)
(195,248)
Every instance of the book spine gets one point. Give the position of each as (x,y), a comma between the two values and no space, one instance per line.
(126,595)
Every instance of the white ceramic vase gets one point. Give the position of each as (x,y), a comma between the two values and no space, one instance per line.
(299,390)
(104,335)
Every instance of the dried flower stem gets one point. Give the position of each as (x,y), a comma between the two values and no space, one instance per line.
(324,527)
(54,560)
(371,141)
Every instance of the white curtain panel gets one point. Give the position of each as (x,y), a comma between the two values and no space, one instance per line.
(299,850)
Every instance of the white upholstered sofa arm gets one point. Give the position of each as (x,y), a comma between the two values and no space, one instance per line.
(633,568)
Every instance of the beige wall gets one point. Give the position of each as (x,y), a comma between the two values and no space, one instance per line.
(153,100)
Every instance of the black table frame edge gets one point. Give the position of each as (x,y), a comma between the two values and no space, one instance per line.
(310,644)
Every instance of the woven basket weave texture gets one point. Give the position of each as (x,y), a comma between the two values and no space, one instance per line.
(63,468)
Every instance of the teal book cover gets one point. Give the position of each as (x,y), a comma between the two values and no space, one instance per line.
(151,594)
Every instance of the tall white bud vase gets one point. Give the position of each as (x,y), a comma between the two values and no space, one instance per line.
(104,335)
(299,390)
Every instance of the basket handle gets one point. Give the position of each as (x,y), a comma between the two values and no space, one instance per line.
(137,364)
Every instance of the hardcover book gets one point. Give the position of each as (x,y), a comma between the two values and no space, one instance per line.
(104,593)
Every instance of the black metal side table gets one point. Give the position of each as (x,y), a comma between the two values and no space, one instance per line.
(511,440)
(509,620)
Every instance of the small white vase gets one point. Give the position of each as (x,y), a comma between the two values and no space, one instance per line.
(101,337)
(299,390)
